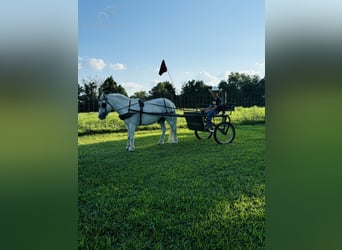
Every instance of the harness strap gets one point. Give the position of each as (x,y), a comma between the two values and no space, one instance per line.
(141,110)
(165,105)
(132,111)
(141,105)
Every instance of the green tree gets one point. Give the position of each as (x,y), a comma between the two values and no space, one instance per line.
(243,89)
(140,95)
(192,87)
(163,89)
(80,93)
(249,90)
(81,98)
(87,95)
(194,94)
(89,98)
(260,90)
(110,86)
(90,91)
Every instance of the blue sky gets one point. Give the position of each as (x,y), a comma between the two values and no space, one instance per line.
(201,40)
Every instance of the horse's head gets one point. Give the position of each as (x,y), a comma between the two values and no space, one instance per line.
(104,107)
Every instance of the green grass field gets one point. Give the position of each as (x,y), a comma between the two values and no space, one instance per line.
(196,194)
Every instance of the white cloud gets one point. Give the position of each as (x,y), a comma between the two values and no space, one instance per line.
(249,72)
(117,66)
(257,69)
(260,64)
(80,60)
(132,87)
(96,63)
(207,78)
(155,82)
(260,68)
(224,76)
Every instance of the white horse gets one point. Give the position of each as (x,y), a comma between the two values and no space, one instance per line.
(135,112)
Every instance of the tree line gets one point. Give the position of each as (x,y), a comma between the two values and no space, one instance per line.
(239,89)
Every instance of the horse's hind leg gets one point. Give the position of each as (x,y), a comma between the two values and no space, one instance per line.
(163,128)
(173,127)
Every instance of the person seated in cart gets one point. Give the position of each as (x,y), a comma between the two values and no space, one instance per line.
(214,108)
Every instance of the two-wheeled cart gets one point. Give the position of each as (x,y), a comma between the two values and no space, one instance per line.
(223,130)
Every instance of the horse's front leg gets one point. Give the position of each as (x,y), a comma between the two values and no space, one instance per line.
(130,142)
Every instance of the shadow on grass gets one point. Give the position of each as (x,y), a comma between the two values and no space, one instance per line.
(194,194)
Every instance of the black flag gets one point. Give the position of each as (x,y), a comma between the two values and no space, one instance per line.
(163,68)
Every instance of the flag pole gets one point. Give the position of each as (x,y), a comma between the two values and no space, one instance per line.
(170,77)
(164,69)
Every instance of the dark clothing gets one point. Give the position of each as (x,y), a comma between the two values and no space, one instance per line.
(211,113)
(218,103)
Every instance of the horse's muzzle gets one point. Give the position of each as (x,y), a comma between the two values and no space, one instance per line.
(102,116)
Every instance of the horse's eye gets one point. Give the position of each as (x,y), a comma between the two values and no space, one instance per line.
(103,105)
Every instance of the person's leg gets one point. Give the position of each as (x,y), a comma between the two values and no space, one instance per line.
(210,117)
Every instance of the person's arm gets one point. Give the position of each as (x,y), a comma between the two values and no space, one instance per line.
(212,107)
(206,110)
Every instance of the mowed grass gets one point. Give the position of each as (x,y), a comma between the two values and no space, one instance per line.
(191,195)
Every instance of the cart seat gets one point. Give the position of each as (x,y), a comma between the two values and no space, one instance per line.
(195,121)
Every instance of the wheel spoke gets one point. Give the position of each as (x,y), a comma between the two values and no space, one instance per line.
(224,133)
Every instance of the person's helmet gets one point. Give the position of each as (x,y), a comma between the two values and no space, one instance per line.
(214,89)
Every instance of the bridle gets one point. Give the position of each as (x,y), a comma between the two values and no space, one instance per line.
(104,102)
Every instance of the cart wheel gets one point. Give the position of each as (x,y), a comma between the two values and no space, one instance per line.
(224,133)
(203,135)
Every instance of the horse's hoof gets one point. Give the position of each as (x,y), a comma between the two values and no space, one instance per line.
(161,142)
(176,141)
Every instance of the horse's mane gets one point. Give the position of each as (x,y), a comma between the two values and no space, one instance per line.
(122,96)
(118,95)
